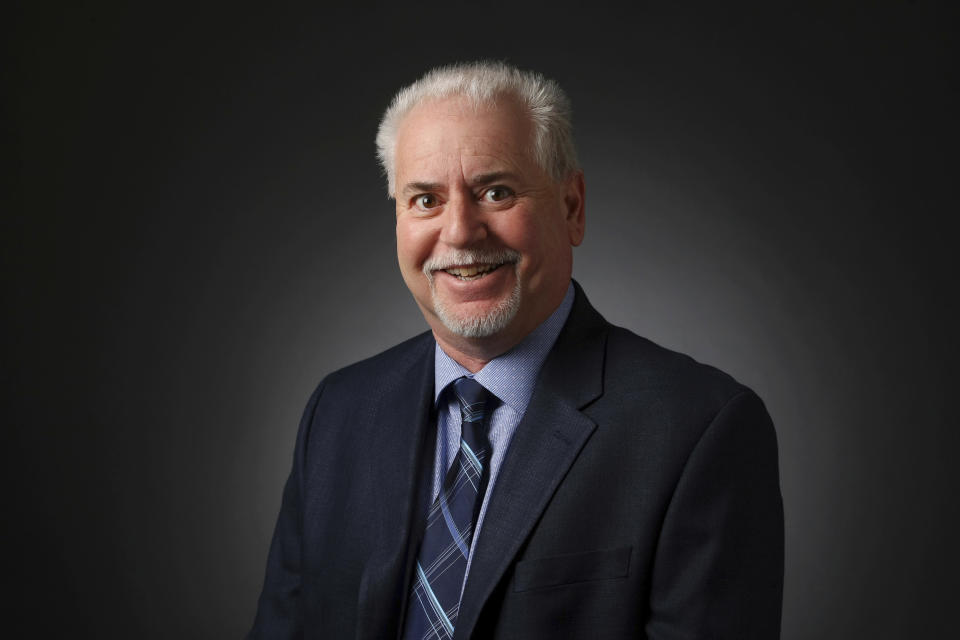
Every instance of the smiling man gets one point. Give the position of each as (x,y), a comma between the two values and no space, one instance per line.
(524,469)
(484,233)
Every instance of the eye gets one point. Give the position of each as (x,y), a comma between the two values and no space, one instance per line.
(497,194)
(426,201)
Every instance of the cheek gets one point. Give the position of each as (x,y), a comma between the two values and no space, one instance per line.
(534,236)
(413,246)
(517,229)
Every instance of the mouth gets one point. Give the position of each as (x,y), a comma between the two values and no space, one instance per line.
(473,271)
(469,266)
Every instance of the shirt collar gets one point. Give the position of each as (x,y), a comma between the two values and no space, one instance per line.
(510,376)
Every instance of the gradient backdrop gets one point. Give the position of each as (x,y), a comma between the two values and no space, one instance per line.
(198,233)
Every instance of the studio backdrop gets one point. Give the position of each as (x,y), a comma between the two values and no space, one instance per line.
(198,232)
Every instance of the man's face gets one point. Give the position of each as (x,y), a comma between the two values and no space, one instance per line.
(484,235)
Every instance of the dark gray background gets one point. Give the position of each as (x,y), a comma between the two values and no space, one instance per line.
(198,233)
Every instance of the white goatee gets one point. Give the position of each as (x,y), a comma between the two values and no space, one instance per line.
(475,326)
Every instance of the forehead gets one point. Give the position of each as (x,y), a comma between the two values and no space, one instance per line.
(443,137)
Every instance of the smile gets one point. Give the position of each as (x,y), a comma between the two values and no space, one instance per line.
(469,265)
(472,272)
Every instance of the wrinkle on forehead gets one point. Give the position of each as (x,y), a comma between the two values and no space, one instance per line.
(446,140)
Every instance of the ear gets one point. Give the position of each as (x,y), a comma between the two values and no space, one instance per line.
(573,202)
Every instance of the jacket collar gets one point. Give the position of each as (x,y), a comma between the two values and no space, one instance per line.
(545,445)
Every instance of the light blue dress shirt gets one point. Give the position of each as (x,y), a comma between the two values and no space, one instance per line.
(510,378)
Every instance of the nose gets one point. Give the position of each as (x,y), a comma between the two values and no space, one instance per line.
(463,223)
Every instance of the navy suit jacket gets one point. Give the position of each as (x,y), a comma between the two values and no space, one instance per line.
(639,499)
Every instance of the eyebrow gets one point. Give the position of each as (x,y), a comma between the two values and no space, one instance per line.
(477,181)
(416,187)
(494,176)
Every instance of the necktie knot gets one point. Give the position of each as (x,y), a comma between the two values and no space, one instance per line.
(474,406)
(473,399)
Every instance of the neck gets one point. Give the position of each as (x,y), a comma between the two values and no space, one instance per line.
(473,354)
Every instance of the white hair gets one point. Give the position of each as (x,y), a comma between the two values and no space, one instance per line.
(482,83)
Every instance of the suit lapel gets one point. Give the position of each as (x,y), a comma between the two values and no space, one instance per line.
(403,431)
(545,445)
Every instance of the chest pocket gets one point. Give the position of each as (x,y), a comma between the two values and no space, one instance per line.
(570,568)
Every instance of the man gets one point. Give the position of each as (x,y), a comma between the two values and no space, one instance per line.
(524,469)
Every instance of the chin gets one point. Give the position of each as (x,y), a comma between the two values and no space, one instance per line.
(479,326)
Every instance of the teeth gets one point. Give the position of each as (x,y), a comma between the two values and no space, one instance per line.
(469,272)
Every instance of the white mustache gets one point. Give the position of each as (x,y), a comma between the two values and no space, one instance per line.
(466,257)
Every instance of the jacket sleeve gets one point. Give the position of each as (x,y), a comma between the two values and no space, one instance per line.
(718,568)
(279,611)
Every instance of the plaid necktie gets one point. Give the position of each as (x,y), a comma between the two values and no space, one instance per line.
(442,563)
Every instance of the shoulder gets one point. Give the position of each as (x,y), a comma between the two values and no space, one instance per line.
(636,362)
(675,397)
(386,368)
(637,373)
(348,399)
